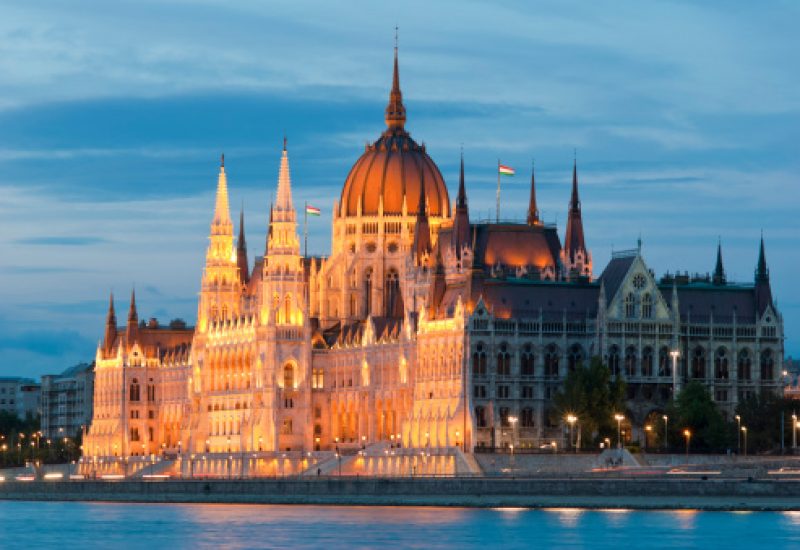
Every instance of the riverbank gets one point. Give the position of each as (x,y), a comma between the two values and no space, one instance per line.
(642,494)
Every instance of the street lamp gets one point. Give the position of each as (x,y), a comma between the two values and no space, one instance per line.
(744,432)
(666,437)
(675,354)
(738,433)
(647,429)
(794,431)
(619,418)
(571,419)
(688,435)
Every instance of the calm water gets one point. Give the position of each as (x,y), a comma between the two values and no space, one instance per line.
(152,526)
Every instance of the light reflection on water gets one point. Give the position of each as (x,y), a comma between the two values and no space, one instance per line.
(153,526)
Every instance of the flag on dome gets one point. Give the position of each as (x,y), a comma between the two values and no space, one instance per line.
(506,170)
(313,210)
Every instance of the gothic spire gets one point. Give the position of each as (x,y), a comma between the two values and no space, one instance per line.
(132,330)
(719,272)
(763,289)
(422,232)
(574,241)
(241,251)
(762,271)
(460,237)
(533,209)
(283,202)
(111,325)
(395,110)
(222,216)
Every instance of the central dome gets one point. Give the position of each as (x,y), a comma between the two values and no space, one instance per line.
(393,169)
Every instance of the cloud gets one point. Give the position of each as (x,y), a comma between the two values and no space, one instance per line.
(62,241)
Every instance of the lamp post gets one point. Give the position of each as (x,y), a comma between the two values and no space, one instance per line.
(619,418)
(675,386)
(571,419)
(738,433)
(744,433)
(666,432)
(794,431)
(688,435)
(647,429)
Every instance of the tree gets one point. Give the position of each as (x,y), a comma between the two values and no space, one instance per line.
(695,410)
(593,397)
(761,415)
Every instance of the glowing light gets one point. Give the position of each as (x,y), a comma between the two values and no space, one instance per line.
(54,475)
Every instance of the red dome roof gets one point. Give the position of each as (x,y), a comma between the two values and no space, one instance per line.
(394,168)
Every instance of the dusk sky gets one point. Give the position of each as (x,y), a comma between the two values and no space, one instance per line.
(685,118)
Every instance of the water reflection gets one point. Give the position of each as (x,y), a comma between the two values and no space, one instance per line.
(567,517)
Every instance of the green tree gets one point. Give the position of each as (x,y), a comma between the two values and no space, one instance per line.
(695,410)
(593,396)
(761,415)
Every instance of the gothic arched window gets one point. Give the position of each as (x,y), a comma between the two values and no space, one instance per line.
(664,366)
(479,360)
(743,369)
(767,364)
(575,357)
(630,306)
(630,361)
(647,306)
(526,361)
(613,360)
(647,361)
(394,301)
(699,363)
(367,292)
(551,361)
(288,377)
(503,361)
(134,390)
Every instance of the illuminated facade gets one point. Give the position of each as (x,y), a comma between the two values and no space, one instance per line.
(421,329)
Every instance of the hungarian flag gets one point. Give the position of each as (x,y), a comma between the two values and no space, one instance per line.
(312,210)
(505,170)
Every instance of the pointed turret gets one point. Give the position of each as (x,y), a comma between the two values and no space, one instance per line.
(241,252)
(460,237)
(533,208)
(575,256)
(111,326)
(283,203)
(763,289)
(222,224)
(719,271)
(395,110)
(438,287)
(132,330)
(422,232)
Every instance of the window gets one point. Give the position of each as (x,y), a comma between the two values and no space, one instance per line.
(480,417)
(721,366)
(743,365)
(767,364)
(134,434)
(479,360)
(502,392)
(503,361)
(527,392)
(288,377)
(721,396)
(151,392)
(367,292)
(699,363)
(526,418)
(575,357)
(647,306)
(613,360)
(551,361)
(151,415)
(647,361)
(286,428)
(479,392)
(134,414)
(317,429)
(630,306)
(526,361)
(317,379)
(394,301)
(630,361)
(288,403)
(134,391)
(317,412)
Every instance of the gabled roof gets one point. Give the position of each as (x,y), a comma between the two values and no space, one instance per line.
(614,274)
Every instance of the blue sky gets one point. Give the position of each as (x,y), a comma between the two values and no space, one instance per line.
(685,117)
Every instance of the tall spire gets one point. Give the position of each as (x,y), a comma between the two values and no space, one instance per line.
(283,202)
(533,209)
(241,251)
(575,256)
(222,216)
(111,325)
(763,289)
(422,232)
(762,272)
(132,330)
(461,220)
(719,272)
(395,110)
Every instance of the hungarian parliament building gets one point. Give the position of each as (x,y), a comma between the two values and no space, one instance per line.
(421,330)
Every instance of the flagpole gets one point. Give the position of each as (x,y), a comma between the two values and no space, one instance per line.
(497,215)
(305,230)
